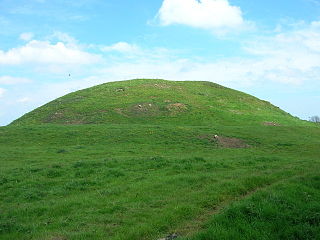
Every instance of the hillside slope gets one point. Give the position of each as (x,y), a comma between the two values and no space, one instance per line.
(146,159)
(146,101)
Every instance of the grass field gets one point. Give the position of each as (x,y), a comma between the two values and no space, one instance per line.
(139,179)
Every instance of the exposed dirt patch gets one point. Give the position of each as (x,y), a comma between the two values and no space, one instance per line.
(56,116)
(76,122)
(228,142)
(152,109)
(225,142)
(120,89)
(271,124)
(177,107)
(161,85)
(221,102)
(236,112)
(209,137)
(143,107)
(170,237)
(157,85)
(147,109)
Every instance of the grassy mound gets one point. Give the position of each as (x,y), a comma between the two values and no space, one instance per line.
(158,102)
(237,170)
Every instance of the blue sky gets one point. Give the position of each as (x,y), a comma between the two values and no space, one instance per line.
(270,49)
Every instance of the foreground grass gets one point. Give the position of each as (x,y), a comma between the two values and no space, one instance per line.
(143,182)
(288,210)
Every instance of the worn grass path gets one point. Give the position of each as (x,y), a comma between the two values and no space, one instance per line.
(200,223)
(288,209)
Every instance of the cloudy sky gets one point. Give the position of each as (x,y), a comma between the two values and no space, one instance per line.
(270,49)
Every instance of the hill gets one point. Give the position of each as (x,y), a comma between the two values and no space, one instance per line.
(203,162)
(148,101)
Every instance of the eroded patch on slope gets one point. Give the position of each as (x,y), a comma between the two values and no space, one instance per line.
(271,124)
(225,142)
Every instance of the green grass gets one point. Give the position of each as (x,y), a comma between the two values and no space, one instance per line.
(288,210)
(139,179)
(146,101)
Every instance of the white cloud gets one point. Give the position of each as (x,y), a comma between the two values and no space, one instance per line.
(133,52)
(2,91)
(65,38)
(23,100)
(26,36)
(231,72)
(207,14)
(290,57)
(44,52)
(122,47)
(8,80)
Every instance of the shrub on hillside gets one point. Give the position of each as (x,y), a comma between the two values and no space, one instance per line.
(315,119)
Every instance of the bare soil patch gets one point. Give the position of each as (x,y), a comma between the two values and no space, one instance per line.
(177,107)
(228,142)
(225,142)
(53,117)
(271,124)
(76,122)
(144,109)
(157,85)
(236,112)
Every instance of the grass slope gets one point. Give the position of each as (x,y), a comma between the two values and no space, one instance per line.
(139,179)
(146,101)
